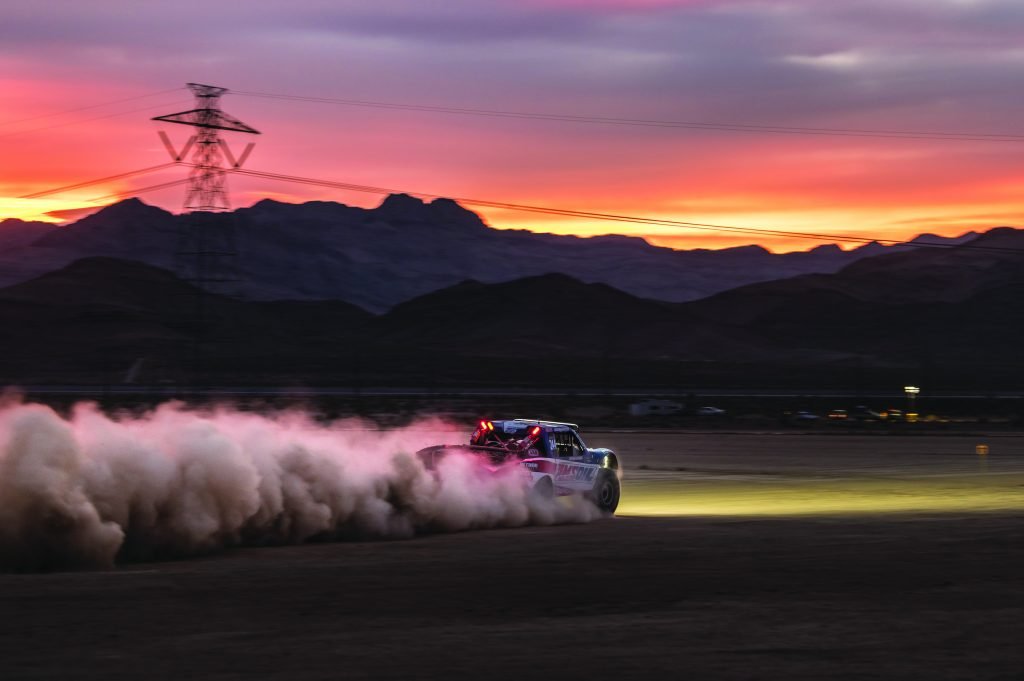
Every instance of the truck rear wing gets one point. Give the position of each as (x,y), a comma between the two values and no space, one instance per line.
(546,423)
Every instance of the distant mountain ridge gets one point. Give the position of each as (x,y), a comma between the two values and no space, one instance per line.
(15,233)
(932,312)
(405,248)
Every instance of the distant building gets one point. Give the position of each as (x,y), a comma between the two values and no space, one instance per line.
(655,408)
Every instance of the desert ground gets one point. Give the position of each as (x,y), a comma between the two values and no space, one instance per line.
(734,556)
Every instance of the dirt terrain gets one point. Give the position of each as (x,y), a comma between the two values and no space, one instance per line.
(754,556)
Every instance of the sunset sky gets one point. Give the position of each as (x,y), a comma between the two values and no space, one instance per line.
(918,65)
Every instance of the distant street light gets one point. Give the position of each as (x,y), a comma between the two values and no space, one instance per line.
(911,392)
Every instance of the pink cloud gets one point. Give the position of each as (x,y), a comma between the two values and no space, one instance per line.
(72,214)
(624,4)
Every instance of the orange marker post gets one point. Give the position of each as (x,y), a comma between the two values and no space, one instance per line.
(982,452)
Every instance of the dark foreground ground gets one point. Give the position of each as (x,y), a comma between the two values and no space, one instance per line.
(907,598)
(846,595)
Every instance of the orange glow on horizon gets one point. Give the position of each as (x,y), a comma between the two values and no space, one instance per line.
(860,188)
(902,224)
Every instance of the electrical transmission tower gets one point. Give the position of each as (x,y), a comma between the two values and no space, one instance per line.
(206,251)
(206,247)
(207,180)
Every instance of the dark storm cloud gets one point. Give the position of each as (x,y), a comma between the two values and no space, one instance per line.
(458,23)
(917,23)
(794,57)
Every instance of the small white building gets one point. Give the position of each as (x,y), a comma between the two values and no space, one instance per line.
(655,408)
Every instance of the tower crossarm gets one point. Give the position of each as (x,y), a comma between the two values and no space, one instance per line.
(207,118)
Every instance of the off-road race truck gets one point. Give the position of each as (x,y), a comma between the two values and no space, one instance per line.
(552,453)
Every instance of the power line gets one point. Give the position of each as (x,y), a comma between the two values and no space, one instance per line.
(88,183)
(612,217)
(141,190)
(648,123)
(83,120)
(91,106)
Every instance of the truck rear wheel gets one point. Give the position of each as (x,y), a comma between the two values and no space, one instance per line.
(544,490)
(606,492)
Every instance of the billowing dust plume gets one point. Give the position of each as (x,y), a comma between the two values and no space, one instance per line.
(90,489)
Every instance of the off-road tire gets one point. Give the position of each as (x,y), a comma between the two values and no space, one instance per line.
(606,491)
(544,490)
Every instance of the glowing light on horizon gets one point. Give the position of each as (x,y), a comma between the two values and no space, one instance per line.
(960,494)
(34,210)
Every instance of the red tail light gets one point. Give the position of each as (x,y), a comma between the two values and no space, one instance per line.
(535,431)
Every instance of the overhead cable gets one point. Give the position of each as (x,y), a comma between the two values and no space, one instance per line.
(85,120)
(89,183)
(612,217)
(90,106)
(650,123)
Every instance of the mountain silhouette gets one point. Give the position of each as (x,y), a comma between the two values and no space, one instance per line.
(377,258)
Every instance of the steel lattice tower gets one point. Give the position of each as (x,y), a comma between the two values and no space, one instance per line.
(206,251)
(207,188)
(206,247)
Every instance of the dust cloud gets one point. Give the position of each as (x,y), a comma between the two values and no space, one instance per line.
(88,490)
